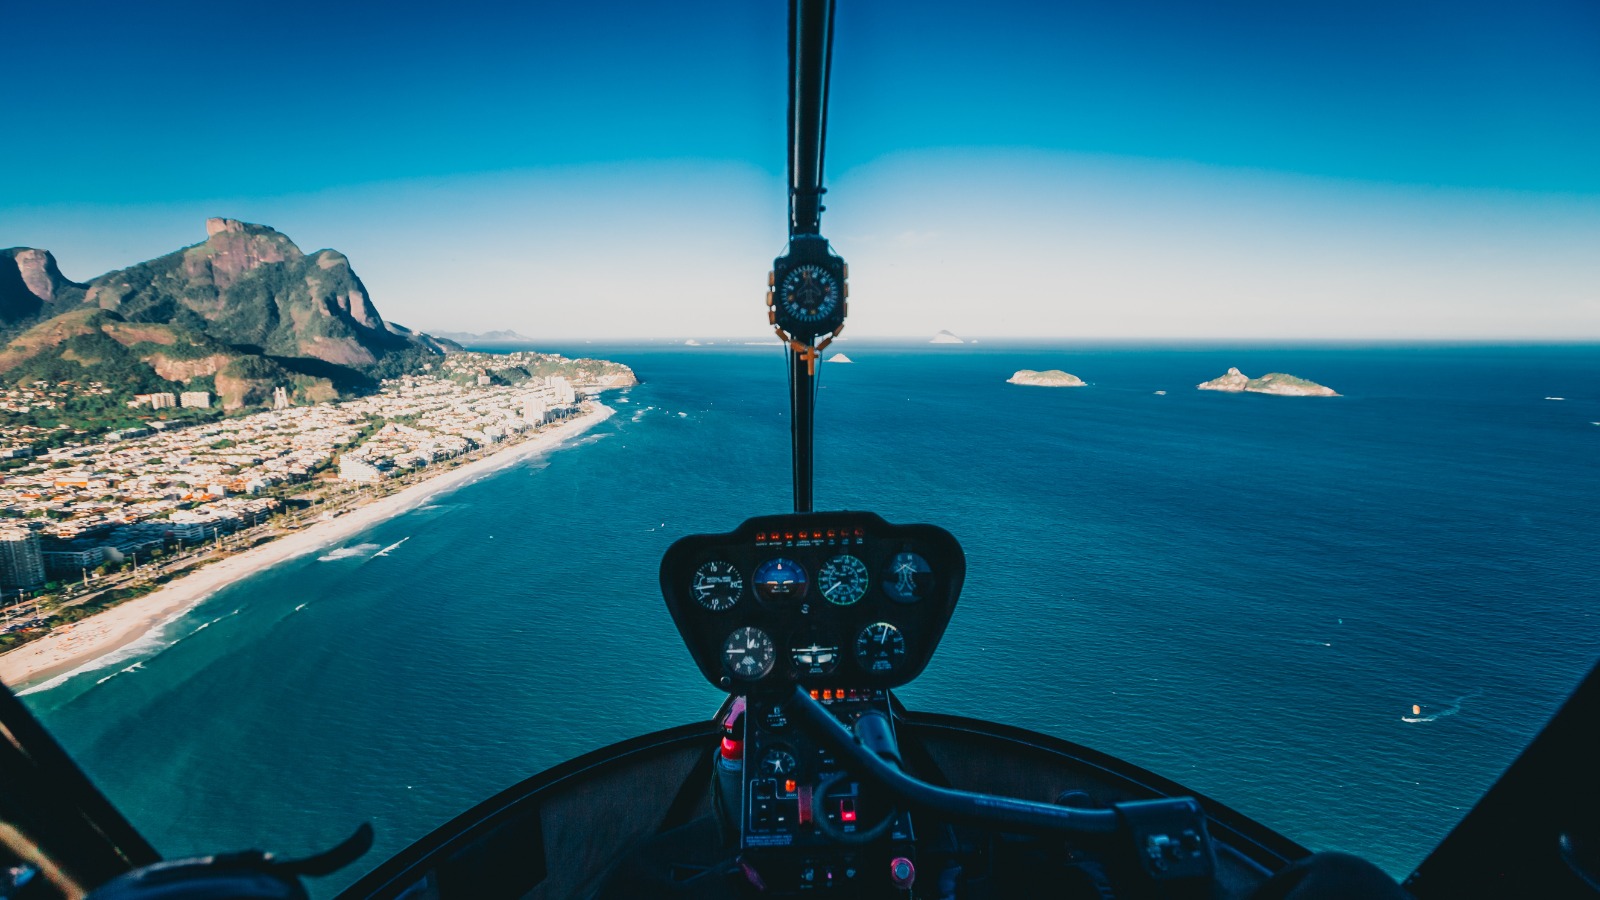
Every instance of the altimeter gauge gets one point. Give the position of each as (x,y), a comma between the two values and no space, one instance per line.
(843,580)
(749,653)
(717,585)
(880,648)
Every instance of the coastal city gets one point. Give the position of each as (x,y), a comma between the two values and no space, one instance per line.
(96,509)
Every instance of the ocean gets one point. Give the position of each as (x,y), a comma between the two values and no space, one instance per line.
(1244,593)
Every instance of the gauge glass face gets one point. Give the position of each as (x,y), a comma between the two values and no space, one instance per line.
(810,294)
(778,762)
(781,579)
(880,648)
(717,585)
(749,653)
(814,659)
(843,580)
(907,578)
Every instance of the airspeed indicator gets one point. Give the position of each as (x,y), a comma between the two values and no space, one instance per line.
(717,585)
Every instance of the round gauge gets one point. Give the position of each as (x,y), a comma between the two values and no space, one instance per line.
(907,578)
(809,294)
(778,762)
(880,648)
(717,585)
(780,579)
(843,580)
(749,653)
(814,658)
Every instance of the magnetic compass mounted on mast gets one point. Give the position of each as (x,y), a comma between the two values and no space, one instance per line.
(807,290)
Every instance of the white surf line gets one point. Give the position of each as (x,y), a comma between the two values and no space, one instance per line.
(385,551)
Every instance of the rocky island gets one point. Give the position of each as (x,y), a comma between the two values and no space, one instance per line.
(1270,383)
(1047,378)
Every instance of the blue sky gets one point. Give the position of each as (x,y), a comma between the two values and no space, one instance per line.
(1109,169)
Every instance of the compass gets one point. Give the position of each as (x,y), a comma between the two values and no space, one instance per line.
(809,295)
(808,291)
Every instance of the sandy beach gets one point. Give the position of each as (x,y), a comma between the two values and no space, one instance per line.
(81,644)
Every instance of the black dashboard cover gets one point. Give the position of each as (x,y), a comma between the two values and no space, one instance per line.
(798,617)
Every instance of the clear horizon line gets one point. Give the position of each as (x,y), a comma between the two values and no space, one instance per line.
(1408,340)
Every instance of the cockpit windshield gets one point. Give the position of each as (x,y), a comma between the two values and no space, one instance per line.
(1250,356)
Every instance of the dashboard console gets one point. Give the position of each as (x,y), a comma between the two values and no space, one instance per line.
(828,600)
(847,606)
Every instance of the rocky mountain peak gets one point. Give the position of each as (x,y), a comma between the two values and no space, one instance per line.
(39,272)
(218,225)
(233,249)
(30,279)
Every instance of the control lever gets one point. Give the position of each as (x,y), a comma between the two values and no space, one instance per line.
(1168,838)
(874,735)
(960,806)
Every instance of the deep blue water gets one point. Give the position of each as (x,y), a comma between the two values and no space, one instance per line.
(1245,593)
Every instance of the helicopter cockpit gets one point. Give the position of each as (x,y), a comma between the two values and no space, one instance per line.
(812,778)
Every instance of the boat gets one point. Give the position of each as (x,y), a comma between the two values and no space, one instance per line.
(812,777)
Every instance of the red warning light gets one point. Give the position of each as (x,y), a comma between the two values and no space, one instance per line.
(847,811)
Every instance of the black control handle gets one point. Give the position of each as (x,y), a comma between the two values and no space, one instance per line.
(871,752)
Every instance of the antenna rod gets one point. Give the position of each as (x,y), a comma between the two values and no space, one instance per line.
(810,58)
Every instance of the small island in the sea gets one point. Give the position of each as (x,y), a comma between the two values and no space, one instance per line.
(1270,383)
(840,358)
(1047,378)
(945,337)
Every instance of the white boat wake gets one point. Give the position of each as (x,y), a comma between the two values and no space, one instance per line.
(1418,714)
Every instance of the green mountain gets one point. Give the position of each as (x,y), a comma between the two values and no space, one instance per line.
(243,311)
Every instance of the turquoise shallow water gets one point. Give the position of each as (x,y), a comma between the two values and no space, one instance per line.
(1245,593)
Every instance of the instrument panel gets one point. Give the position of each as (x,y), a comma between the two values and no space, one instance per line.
(825,599)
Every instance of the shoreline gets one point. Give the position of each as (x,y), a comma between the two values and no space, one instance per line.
(93,642)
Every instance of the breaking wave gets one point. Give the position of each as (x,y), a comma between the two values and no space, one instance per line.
(347,552)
